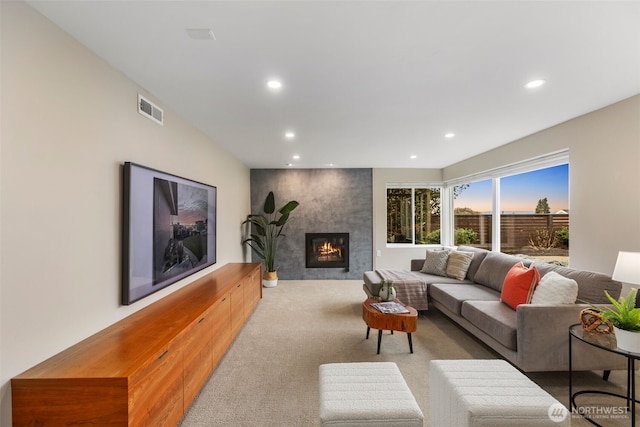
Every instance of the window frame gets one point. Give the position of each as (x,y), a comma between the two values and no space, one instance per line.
(495,186)
(542,162)
(413,186)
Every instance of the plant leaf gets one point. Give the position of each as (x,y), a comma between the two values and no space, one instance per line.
(613,301)
(258,252)
(269,204)
(259,222)
(257,241)
(286,209)
(281,221)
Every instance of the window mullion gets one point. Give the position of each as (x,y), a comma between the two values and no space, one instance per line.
(495,233)
(446,216)
(413,215)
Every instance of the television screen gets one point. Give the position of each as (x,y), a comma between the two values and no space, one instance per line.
(169,230)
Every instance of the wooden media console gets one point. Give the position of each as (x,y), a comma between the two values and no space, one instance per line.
(147,368)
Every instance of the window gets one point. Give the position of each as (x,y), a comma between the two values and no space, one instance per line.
(519,209)
(534,218)
(413,215)
(472,214)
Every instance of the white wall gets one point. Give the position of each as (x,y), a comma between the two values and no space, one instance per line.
(69,121)
(604,179)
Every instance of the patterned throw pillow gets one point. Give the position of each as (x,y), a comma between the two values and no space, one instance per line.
(436,262)
(519,285)
(458,264)
(554,288)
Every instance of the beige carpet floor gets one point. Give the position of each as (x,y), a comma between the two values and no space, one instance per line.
(269,376)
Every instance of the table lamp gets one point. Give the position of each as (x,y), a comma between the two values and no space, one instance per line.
(627,270)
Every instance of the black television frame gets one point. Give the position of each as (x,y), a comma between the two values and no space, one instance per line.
(151,202)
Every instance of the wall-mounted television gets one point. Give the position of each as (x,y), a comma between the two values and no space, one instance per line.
(169,230)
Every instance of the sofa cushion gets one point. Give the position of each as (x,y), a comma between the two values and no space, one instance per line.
(432,278)
(436,262)
(591,286)
(494,268)
(494,318)
(478,256)
(371,282)
(555,289)
(458,264)
(519,284)
(451,295)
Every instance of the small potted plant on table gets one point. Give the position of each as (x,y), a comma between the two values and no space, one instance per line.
(625,318)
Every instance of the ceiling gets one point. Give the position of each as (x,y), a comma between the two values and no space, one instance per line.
(366,83)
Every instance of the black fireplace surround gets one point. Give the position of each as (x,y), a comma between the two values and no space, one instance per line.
(327,250)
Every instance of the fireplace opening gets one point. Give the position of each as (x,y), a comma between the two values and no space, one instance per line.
(327,250)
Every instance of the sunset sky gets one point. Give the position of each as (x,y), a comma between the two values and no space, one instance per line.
(521,192)
(192,204)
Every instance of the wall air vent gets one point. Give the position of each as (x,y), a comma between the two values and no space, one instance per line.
(149,110)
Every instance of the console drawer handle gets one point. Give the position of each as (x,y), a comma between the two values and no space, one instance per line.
(163,354)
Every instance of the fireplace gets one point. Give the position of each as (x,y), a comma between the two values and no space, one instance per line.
(327,250)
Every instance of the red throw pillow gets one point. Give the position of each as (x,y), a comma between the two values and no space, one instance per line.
(519,284)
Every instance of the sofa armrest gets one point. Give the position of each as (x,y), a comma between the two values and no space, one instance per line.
(416,264)
(543,339)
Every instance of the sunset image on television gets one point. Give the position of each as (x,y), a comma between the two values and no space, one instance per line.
(179,228)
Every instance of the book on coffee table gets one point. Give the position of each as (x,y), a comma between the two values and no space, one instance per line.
(390,307)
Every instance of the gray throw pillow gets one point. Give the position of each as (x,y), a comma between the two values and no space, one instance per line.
(458,264)
(436,262)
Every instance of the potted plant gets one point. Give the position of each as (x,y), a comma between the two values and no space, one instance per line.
(387,291)
(625,318)
(267,229)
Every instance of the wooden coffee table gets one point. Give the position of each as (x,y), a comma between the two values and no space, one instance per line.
(402,322)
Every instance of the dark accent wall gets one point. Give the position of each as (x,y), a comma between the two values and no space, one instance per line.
(331,200)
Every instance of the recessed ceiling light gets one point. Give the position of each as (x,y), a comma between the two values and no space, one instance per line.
(201,34)
(449,135)
(296,157)
(274,84)
(289,164)
(289,135)
(535,83)
(413,156)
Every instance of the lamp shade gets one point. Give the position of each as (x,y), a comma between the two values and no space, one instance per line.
(627,268)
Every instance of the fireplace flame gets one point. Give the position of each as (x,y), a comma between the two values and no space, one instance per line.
(327,249)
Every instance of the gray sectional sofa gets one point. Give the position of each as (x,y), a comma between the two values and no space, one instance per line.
(533,337)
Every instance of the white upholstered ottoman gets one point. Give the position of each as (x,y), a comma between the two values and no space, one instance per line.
(475,393)
(366,394)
